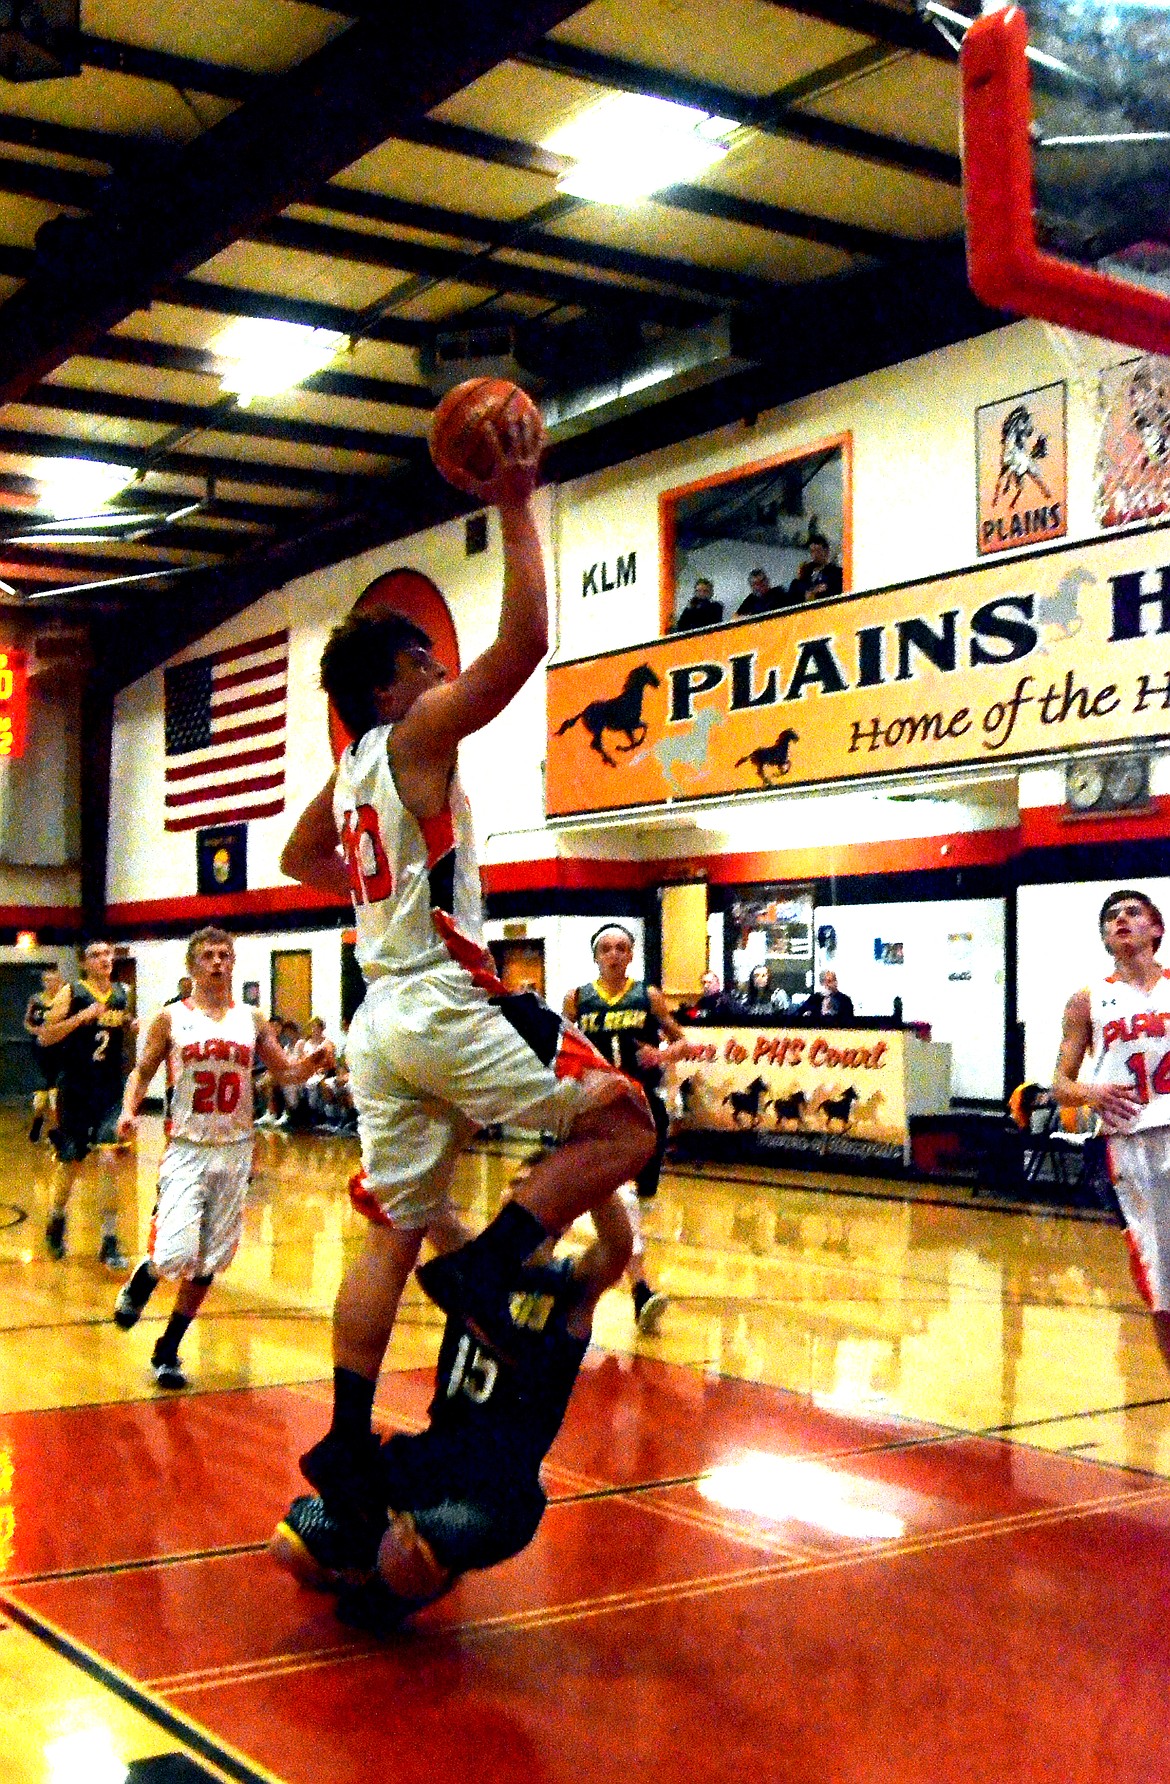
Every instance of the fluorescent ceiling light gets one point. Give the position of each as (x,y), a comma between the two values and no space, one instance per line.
(628,146)
(259,357)
(780,1490)
(71,486)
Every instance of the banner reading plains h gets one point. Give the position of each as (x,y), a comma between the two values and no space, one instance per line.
(1038,656)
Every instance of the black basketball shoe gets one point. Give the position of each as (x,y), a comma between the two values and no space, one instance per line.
(467,1284)
(345,1472)
(323,1551)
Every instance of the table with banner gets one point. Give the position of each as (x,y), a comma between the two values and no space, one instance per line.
(845,1094)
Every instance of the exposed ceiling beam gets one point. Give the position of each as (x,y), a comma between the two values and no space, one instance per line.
(156,224)
(850,238)
(25,493)
(482,270)
(329,484)
(701,201)
(233,300)
(186,73)
(830,332)
(60,556)
(869,18)
(162,356)
(68,139)
(54,185)
(714,283)
(156,412)
(760,113)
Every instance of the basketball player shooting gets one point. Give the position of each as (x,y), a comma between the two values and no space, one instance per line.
(1122,1024)
(439,1048)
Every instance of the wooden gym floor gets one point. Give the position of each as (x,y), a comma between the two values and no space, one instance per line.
(887,1498)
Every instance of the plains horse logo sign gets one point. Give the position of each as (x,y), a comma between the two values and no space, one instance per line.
(1016,659)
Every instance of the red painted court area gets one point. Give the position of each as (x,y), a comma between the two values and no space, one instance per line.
(729,1582)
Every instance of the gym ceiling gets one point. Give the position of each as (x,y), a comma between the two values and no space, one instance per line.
(377,170)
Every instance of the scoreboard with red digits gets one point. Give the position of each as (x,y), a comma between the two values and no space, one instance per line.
(13,702)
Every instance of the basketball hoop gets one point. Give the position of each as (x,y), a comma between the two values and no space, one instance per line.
(1067,170)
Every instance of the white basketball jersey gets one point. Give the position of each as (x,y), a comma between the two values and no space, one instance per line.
(414,881)
(1131,1044)
(210,1072)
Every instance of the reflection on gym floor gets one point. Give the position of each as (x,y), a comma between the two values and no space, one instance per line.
(805,1319)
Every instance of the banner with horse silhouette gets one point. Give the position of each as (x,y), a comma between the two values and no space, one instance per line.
(838,1092)
(1016,659)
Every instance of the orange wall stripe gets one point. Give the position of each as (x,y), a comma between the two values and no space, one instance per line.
(269,900)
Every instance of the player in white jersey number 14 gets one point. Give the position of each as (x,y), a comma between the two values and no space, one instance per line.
(207,1042)
(1121,1024)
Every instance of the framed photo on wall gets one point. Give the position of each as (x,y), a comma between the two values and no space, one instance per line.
(762,539)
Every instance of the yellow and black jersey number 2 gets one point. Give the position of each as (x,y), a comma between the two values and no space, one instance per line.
(473,1372)
(101,1044)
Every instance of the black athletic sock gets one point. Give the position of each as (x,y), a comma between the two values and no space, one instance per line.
(167,1348)
(141,1285)
(353,1403)
(511,1237)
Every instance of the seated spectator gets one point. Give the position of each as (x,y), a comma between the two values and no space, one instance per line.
(701,610)
(829,1004)
(306,1106)
(338,1113)
(817,579)
(763,598)
(759,997)
(710,1002)
(272,1099)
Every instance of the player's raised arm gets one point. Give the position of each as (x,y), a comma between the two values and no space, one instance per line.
(311,854)
(443,715)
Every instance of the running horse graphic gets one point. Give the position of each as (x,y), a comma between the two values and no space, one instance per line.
(622,715)
(771,759)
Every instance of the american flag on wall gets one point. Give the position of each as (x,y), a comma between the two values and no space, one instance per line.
(225,729)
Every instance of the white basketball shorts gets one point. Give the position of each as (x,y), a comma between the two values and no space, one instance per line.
(1139,1165)
(431,1059)
(200,1209)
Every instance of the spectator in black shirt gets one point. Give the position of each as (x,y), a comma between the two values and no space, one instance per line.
(828,1004)
(763,598)
(701,610)
(817,579)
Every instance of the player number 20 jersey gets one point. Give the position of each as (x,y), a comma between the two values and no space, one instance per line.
(1131,1044)
(210,1071)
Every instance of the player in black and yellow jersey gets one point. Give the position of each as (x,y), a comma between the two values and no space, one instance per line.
(88,1021)
(627,1020)
(47,1059)
(465,1493)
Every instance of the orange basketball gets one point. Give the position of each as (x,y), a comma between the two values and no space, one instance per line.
(461,445)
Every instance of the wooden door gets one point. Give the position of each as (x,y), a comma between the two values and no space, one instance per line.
(292,986)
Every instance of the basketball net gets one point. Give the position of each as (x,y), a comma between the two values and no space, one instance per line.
(1128,393)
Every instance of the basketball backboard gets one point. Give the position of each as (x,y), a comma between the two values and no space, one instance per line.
(1066,126)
